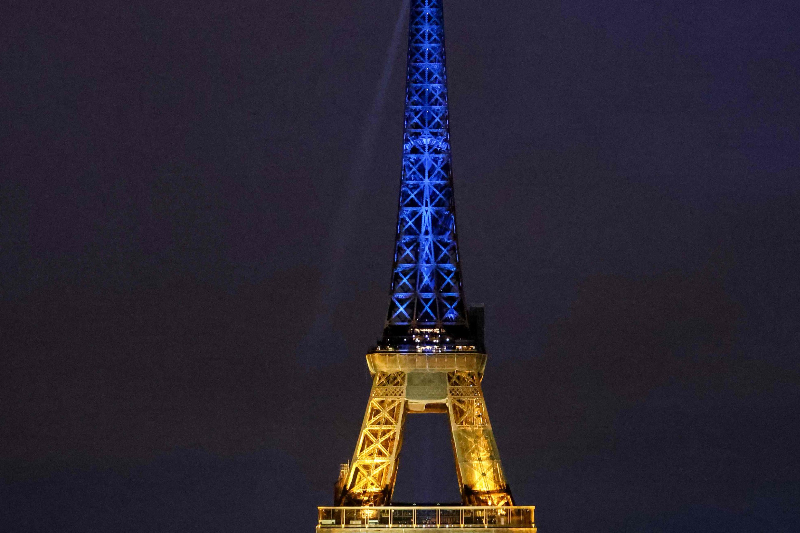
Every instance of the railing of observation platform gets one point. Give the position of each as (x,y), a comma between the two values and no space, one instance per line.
(426,517)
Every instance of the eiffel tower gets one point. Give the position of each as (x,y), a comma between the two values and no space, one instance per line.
(431,356)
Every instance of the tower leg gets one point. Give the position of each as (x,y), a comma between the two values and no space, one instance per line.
(373,471)
(480,474)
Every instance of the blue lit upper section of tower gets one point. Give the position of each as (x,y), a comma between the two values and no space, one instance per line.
(427,300)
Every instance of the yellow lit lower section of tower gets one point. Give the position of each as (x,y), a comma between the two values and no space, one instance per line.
(411,383)
(480,473)
(371,477)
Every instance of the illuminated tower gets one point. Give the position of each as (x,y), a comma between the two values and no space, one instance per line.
(431,357)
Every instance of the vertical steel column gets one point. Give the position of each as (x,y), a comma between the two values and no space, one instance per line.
(480,474)
(374,467)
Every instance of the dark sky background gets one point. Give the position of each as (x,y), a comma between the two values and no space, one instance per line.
(196,241)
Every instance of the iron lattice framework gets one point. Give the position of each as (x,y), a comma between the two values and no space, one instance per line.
(431,358)
(370,477)
(426,284)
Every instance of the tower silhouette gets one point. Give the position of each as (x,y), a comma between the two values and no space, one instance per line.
(431,356)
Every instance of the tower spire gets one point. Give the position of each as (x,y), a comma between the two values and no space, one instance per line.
(426,295)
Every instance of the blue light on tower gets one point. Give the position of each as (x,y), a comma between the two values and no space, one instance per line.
(426,282)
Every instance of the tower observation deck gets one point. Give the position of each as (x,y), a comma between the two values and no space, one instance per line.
(431,357)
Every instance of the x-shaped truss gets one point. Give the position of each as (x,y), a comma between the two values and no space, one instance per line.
(480,473)
(374,464)
(426,285)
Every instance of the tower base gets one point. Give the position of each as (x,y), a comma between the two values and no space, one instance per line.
(405,519)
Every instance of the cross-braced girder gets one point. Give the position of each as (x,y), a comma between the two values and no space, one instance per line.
(480,473)
(374,467)
(426,281)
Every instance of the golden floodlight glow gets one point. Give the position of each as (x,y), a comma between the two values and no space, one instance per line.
(453,386)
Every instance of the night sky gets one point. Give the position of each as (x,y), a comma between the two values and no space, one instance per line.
(197,210)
